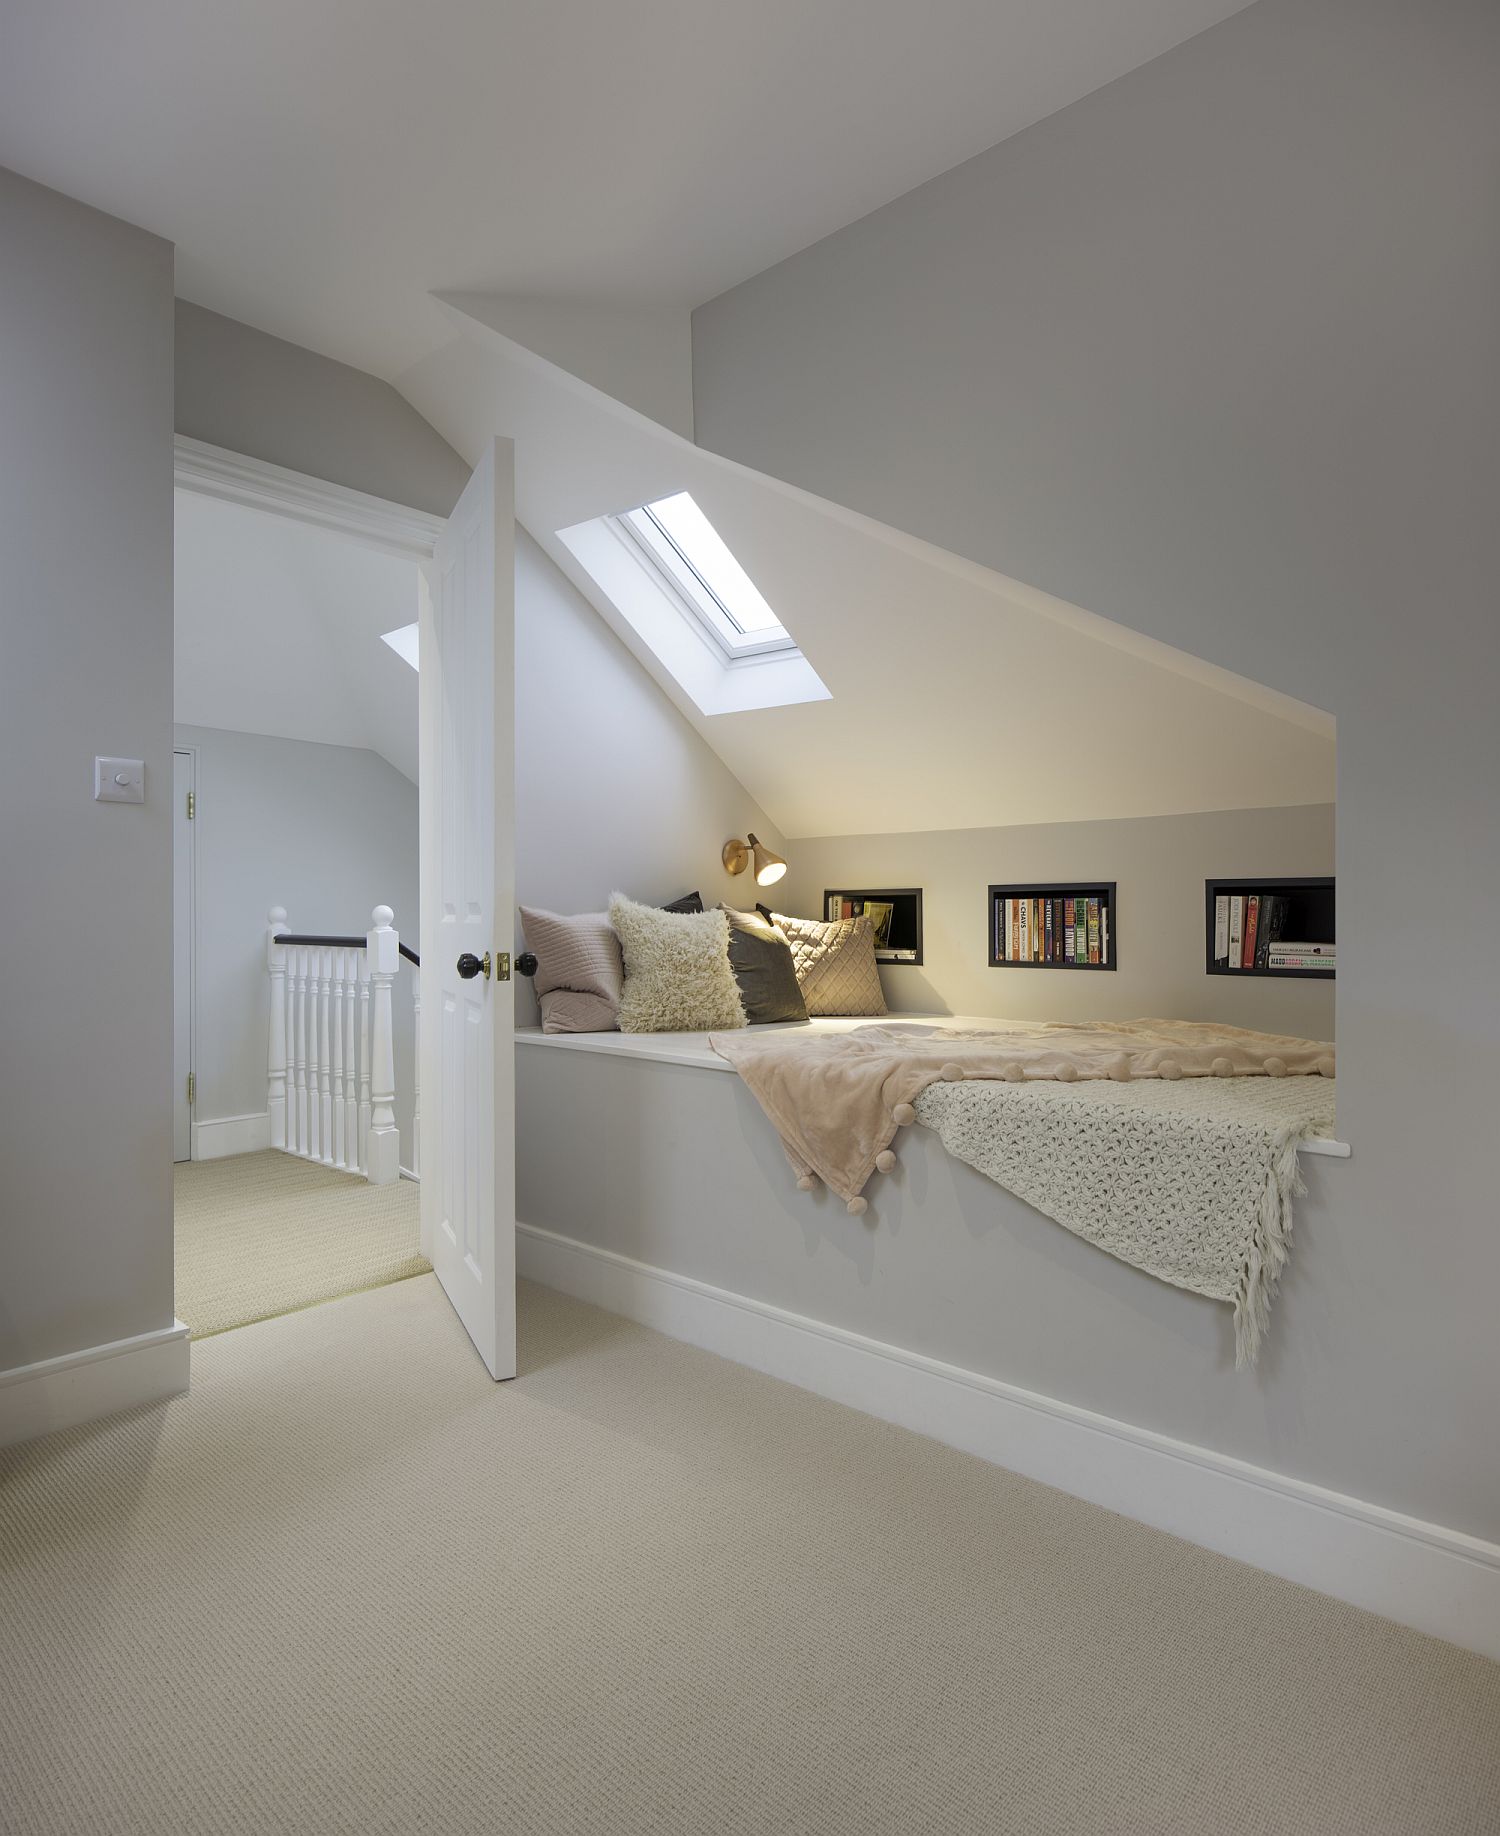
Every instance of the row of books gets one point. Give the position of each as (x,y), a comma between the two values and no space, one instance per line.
(1249,933)
(1064,930)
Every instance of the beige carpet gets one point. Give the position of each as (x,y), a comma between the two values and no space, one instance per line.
(262,1234)
(348,1584)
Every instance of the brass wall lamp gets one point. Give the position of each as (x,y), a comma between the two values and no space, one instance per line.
(769,867)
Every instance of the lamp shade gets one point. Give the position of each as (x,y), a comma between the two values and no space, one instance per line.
(769,867)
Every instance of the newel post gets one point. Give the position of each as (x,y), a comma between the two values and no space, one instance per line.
(276,1050)
(383,954)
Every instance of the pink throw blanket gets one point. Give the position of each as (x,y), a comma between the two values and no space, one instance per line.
(837,1100)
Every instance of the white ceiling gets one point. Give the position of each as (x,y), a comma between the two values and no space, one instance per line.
(278,629)
(959,698)
(323,168)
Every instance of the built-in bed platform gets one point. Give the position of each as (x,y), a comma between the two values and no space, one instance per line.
(649,1181)
(694,1049)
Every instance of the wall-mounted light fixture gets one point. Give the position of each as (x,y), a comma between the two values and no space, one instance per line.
(768,867)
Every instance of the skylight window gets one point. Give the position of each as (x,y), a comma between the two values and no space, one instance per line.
(665,579)
(404,642)
(695,559)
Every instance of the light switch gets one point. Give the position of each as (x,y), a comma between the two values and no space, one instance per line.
(119,781)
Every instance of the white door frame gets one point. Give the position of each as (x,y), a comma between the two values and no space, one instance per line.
(190,753)
(256,484)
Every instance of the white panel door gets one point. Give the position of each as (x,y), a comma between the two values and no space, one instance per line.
(182,955)
(466,654)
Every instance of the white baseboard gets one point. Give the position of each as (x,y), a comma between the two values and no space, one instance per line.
(222,1136)
(83,1385)
(1423,1575)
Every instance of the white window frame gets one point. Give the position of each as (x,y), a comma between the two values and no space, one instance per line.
(695,596)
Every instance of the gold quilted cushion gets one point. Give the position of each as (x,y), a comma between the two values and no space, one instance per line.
(835,964)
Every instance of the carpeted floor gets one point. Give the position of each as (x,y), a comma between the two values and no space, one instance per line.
(262,1234)
(349,1584)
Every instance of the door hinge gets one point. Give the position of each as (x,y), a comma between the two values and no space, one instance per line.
(192,805)
(502,966)
(192,1088)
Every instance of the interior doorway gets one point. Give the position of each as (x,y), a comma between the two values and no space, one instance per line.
(309,1123)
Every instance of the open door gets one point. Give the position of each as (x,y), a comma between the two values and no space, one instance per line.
(467,766)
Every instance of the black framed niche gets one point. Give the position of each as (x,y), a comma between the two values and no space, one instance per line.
(897,912)
(1067,924)
(1258,925)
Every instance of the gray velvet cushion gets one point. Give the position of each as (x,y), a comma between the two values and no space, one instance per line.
(763,967)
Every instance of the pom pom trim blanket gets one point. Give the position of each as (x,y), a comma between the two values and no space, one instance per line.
(838,1102)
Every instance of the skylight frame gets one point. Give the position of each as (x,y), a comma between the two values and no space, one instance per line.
(693,591)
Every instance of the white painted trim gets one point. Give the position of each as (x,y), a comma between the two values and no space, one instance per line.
(214,471)
(222,1136)
(1440,1581)
(693,1049)
(99,1380)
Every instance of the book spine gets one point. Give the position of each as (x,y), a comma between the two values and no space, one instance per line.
(1070,930)
(1047,933)
(1104,942)
(1252,918)
(1093,930)
(1236,929)
(1221,928)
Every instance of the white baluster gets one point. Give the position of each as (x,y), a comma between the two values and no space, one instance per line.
(325,1088)
(304,1135)
(336,1079)
(364,1060)
(276,1048)
(383,950)
(310,1027)
(416,1071)
(349,1095)
(291,1048)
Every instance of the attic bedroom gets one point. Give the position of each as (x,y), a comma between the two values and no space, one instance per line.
(749,1075)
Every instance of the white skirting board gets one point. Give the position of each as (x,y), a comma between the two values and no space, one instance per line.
(83,1385)
(1437,1580)
(225,1135)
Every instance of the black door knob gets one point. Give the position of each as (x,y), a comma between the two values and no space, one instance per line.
(469,966)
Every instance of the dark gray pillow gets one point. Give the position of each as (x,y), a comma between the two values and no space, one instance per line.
(762,963)
(689,902)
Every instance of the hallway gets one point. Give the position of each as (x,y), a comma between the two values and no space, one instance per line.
(263,1234)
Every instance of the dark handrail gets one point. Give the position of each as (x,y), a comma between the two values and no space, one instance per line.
(341,943)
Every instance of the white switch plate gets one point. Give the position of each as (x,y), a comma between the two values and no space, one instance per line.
(119,781)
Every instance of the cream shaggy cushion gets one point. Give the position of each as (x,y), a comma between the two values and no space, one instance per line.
(677,973)
(835,964)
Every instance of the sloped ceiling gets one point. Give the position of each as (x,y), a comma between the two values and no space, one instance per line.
(278,629)
(960,698)
(322,167)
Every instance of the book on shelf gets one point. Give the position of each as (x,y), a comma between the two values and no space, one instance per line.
(1301,956)
(1252,920)
(1221,928)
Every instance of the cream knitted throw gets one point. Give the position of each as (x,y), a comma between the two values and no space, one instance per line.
(1192,1181)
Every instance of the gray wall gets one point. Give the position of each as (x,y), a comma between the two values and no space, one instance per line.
(327,831)
(255,394)
(1216,352)
(1159,864)
(615,791)
(85,895)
